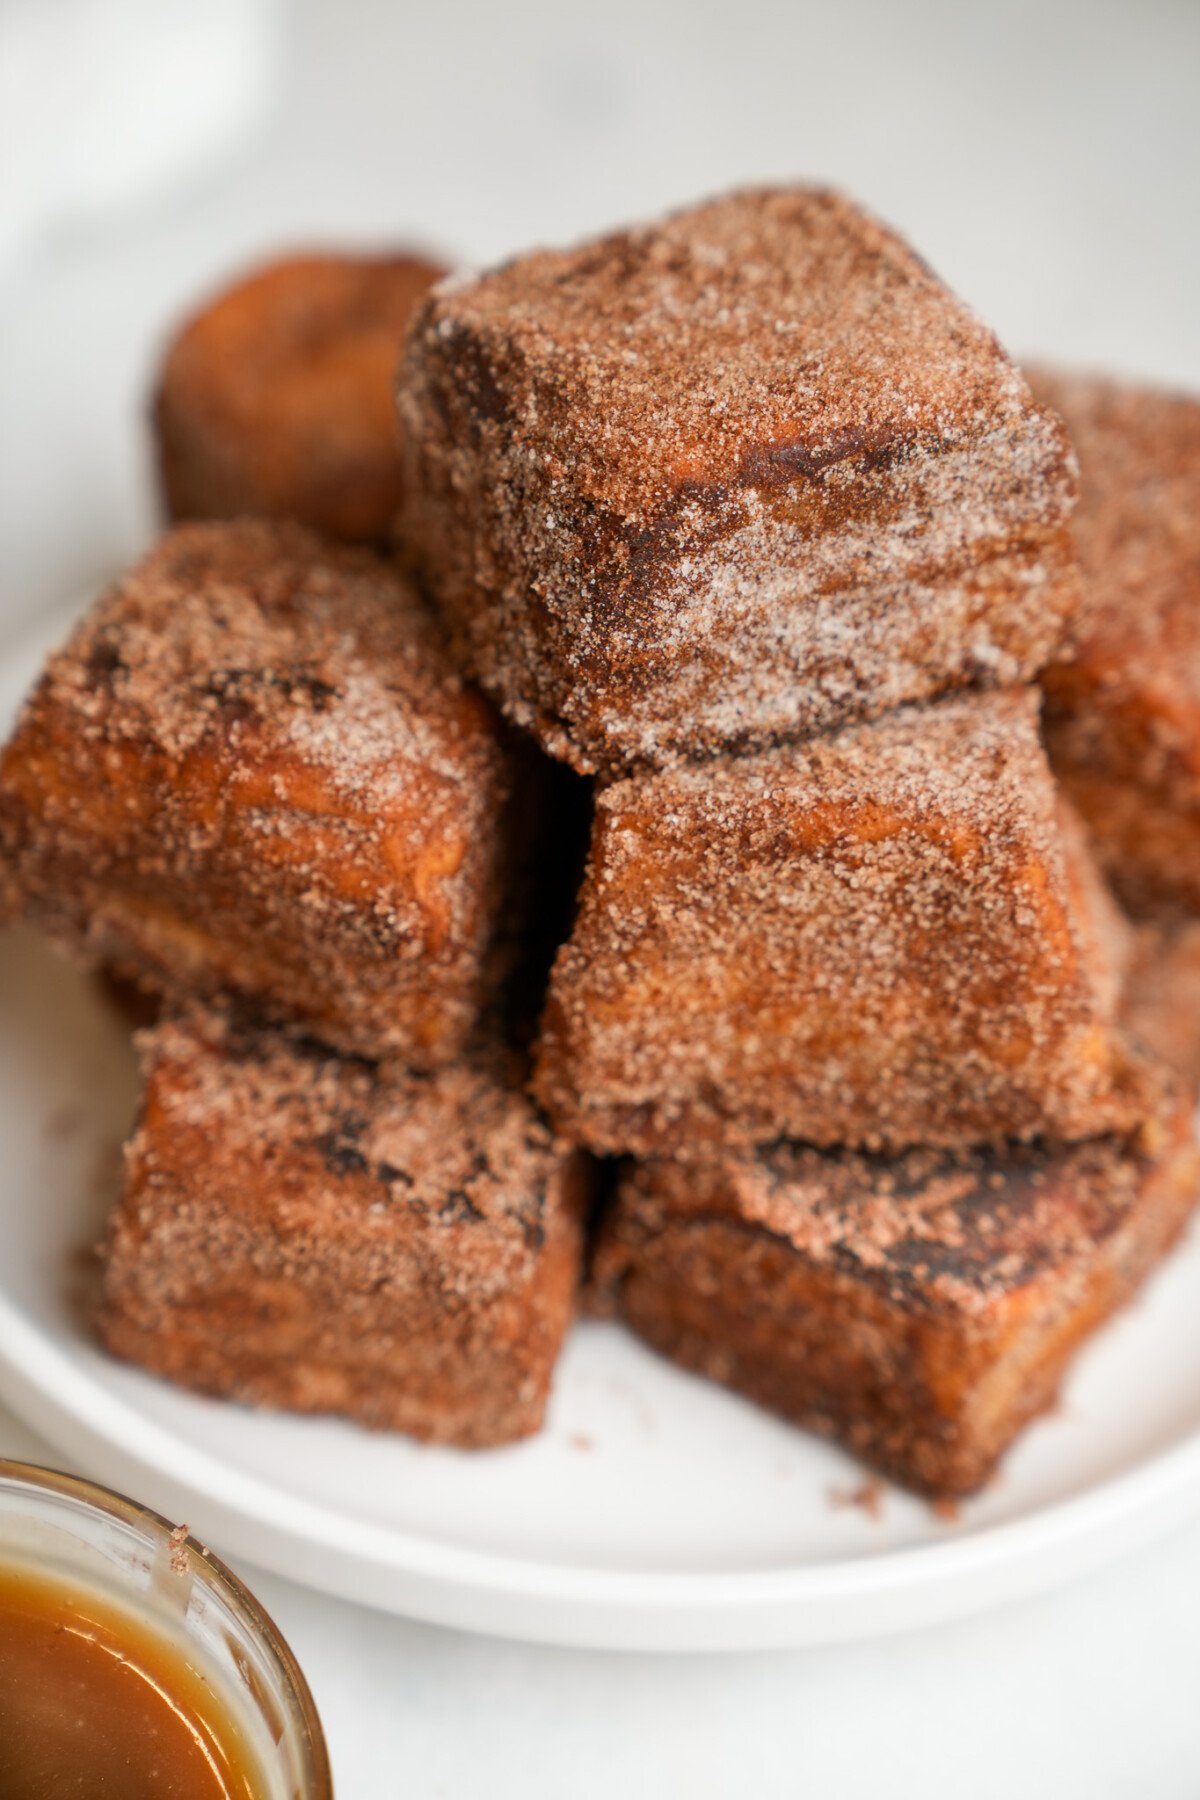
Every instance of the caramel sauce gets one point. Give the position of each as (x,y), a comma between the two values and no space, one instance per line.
(97,1705)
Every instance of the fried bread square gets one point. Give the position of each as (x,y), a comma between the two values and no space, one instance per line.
(1123,718)
(920,1310)
(877,939)
(276,397)
(1109,938)
(1160,1004)
(252,768)
(726,480)
(309,1232)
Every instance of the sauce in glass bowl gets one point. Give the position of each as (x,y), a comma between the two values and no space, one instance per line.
(133,1664)
(93,1701)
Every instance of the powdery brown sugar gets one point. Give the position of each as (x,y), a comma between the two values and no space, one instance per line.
(735,477)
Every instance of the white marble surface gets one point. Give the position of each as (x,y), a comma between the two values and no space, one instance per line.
(1046,157)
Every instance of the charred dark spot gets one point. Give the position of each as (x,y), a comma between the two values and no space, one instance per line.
(531,1221)
(341,1156)
(243,692)
(105,662)
(697,515)
(340,1147)
(315,1050)
(229,687)
(319,694)
(774,465)
(646,546)
(487,400)
(459,1205)
(386,1171)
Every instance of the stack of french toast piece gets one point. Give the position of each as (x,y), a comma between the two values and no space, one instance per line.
(698,721)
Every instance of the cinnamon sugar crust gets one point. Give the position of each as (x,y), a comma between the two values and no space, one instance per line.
(327,1235)
(735,477)
(1161,999)
(1108,938)
(876,939)
(276,396)
(921,1310)
(1123,718)
(252,769)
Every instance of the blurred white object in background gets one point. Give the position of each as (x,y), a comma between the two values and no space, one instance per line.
(106,103)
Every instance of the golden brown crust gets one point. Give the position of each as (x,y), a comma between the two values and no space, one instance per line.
(1161,1001)
(873,939)
(732,478)
(1123,718)
(324,1235)
(921,1310)
(1107,937)
(276,397)
(252,768)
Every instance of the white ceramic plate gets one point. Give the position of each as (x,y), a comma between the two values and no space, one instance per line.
(654,1512)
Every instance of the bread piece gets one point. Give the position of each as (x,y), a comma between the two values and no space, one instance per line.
(920,1310)
(251,768)
(276,397)
(732,478)
(1123,718)
(1161,1001)
(1109,939)
(326,1236)
(878,939)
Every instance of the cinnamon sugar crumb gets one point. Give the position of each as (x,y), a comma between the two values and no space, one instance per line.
(177,1543)
(869,1496)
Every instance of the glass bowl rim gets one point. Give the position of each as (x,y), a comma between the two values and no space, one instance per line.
(92,1496)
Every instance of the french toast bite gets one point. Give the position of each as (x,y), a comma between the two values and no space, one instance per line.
(878,939)
(728,479)
(1109,938)
(1123,717)
(920,1309)
(252,769)
(1160,1004)
(276,396)
(303,1231)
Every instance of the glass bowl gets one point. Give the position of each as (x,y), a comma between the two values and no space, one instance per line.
(72,1531)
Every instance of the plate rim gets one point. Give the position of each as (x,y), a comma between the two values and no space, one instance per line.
(571,1604)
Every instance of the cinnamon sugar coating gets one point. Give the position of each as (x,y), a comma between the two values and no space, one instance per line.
(876,939)
(252,769)
(1123,718)
(276,396)
(1161,1000)
(1108,938)
(920,1310)
(727,479)
(325,1235)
